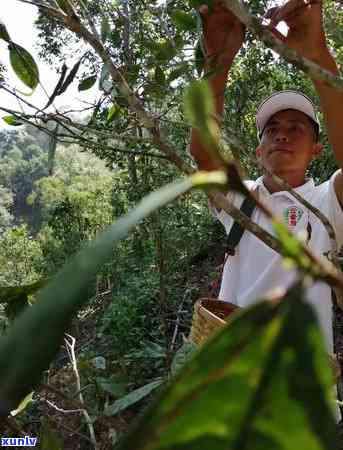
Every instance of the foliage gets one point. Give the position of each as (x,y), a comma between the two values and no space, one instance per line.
(67,207)
(20,257)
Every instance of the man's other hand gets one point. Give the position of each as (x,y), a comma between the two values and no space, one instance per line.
(305,21)
(223,33)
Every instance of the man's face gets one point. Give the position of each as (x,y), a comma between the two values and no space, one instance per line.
(288,143)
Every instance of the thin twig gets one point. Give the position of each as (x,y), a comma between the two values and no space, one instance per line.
(61,410)
(178,318)
(70,344)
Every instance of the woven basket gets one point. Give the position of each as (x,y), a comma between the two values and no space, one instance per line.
(209,316)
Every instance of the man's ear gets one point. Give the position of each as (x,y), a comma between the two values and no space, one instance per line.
(317,149)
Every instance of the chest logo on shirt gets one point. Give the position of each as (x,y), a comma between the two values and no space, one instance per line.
(292,216)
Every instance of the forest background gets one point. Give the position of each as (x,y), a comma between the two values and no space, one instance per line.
(67,174)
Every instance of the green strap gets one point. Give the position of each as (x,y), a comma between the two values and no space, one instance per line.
(237,230)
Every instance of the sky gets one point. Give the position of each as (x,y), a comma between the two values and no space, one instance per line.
(19,20)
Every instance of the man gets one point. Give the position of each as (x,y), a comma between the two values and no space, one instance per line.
(288,132)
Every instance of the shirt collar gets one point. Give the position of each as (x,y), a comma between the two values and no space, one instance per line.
(303,189)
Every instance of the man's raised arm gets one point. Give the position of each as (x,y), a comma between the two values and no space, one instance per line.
(307,36)
(223,37)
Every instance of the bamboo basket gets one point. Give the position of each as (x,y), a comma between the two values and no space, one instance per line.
(210,315)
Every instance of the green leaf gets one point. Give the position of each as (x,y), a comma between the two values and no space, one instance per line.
(113,112)
(12,120)
(178,72)
(163,50)
(183,21)
(4,33)
(132,398)
(87,83)
(112,386)
(159,76)
(64,5)
(24,65)
(291,247)
(262,383)
(49,439)
(35,337)
(105,29)
(23,404)
(199,103)
(182,356)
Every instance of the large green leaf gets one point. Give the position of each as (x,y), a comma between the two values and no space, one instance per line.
(34,339)
(24,65)
(132,398)
(261,383)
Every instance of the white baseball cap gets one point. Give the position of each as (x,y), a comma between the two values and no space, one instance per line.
(284,100)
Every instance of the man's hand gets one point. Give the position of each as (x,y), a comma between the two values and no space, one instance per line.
(305,21)
(223,33)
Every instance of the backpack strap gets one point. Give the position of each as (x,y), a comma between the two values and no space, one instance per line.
(236,231)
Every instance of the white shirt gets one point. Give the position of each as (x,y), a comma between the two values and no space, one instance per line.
(256,269)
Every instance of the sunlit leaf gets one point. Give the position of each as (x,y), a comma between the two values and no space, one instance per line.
(24,65)
(113,112)
(23,404)
(12,120)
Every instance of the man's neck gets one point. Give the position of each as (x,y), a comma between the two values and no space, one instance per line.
(293,180)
